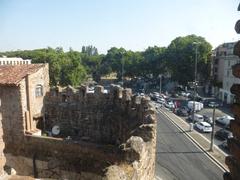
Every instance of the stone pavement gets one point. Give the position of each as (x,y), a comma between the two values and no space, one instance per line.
(203,143)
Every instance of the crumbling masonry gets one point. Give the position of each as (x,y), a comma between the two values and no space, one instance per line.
(233,161)
(102,135)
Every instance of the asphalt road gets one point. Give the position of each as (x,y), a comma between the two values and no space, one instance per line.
(178,158)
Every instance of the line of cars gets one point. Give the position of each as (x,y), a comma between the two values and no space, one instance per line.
(203,123)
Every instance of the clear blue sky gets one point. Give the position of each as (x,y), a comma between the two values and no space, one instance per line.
(132,24)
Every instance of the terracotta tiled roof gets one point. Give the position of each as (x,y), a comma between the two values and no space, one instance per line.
(12,75)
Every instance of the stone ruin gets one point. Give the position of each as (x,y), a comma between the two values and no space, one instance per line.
(102,136)
(233,161)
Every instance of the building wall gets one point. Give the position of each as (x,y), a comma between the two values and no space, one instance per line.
(41,77)
(14,111)
(228,79)
(219,56)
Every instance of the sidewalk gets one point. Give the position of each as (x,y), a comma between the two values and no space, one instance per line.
(202,142)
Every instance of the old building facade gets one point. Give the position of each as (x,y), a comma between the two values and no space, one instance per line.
(223,60)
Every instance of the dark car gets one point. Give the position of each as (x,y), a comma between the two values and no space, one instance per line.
(224,146)
(208,119)
(223,134)
(182,112)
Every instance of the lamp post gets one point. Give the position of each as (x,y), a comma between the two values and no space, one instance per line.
(122,72)
(195,79)
(213,127)
(122,63)
(160,84)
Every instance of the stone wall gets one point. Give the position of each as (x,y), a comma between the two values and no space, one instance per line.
(233,161)
(108,118)
(103,136)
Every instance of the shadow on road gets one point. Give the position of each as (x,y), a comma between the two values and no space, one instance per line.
(179,152)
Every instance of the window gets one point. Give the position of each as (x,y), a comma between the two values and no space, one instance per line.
(227,73)
(228,63)
(39,90)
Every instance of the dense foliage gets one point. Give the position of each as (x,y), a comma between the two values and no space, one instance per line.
(73,67)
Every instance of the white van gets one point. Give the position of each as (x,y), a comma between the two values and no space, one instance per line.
(197,118)
(198,105)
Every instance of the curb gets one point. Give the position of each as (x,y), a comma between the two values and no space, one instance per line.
(197,144)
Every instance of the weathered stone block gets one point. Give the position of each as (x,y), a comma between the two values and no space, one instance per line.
(115,173)
(234,167)
(235,128)
(236,70)
(234,146)
(134,148)
(235,108)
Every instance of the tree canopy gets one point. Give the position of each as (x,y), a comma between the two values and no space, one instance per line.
(73,67)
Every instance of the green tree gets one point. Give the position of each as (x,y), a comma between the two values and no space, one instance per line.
(180,56)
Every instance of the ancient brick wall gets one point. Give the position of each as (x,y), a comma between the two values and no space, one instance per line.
(100,117)
(121,131)
(12,115)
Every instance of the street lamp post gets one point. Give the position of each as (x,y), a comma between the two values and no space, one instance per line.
(195,80)
(213,127)
(160,84)
(122,71)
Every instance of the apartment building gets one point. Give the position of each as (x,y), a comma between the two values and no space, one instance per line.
(14,61)
(223,60)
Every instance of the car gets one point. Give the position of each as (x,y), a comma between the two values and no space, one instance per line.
(169,105)
(224,146)
(224,120)
(223,134)
(213,104)
(182,112)
(197,118)
(186,109)
(208,119)
(204,126)
(161,100)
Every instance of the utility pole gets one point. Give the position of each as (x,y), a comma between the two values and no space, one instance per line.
(122,71)
(213,127)
(195,81)
(160,84)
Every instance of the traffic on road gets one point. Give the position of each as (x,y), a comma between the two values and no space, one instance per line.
(202,119)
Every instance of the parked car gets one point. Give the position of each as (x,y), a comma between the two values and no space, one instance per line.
(187,109)
(224,120)
(197,118)
(161,100)
(169,105)
(224,146)
(223,134)
(204,126)
(182,112)
(208,119)
(213,104)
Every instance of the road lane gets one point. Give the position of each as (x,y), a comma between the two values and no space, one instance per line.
(179,158)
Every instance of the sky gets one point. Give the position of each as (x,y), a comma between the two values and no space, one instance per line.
(131,24)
